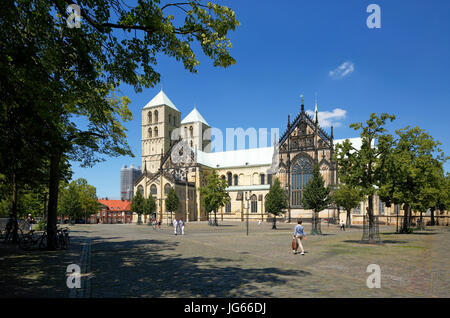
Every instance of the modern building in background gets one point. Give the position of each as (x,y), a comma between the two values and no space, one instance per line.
(128,176)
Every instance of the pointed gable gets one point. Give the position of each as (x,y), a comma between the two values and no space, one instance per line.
(159,100)
(193,117)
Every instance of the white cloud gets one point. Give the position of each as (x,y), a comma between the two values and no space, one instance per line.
(342,71)
(328,119)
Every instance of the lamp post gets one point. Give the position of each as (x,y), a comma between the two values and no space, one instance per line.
(247,207)
(187,196)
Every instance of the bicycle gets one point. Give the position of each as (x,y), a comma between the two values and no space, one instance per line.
(62,238)
(28,240)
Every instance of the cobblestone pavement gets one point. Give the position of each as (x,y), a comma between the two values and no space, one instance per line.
(138,261)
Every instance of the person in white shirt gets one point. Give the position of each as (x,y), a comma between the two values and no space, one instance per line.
(181,225)
(175,225)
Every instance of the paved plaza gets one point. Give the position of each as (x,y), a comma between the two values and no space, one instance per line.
(137,261)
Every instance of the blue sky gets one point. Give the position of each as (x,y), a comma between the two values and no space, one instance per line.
(286,48)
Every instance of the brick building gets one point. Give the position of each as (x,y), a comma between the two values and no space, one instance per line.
(112,212)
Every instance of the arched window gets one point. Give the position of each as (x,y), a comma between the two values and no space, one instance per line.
(192,144)
(149,117)
(156,131)
(236,180)
(230,179)
(141,189)
(263,178)
(153,189)
(191,131)
(156,116)
(302,173)
(228,207)
(269,179)
(185,132)
(150,133)
(255,179)
(170,119)
(223,177)
(254,203)
(167,187)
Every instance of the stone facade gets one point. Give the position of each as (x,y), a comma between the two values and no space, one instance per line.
(303,144)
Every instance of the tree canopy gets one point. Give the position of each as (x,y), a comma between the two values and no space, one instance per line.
(276,201)
(347,197)
(412,172)
(362,167)
(53,75)
(213,194)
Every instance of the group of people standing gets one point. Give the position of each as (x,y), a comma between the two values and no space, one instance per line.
(178,226)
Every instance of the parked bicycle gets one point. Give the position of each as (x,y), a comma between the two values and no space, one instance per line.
(62,238)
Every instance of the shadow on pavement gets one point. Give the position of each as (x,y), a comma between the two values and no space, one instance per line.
(150,268)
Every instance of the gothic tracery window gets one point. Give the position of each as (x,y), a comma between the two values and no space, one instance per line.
(302,172)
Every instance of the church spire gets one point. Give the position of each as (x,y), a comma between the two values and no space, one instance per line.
(316,112)
(302,103)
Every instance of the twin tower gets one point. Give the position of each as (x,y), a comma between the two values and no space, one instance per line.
(162,125)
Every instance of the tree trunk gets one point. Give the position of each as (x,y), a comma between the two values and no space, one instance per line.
(421,220)
(215,218)
(53,200)
(405,225)
(371,220)
(15,229)
(274,225)
(432,216)
(349,220)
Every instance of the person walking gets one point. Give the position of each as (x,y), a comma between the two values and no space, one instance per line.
(181,225)
(299,235)
(342,225)
(175,226)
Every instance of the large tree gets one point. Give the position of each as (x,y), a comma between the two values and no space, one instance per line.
(149,206)
(213,194)
(78,70)
(411,173)
(172,201)
(363,167)
(347,197)
(316,196)
(138,205)
(276,201)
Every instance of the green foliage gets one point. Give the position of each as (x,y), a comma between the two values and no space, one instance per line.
(315,195)
(137,204)
(213,193)
(347,197)
(149,205)
(413,172)
(172,201)
(362,168)
(53,76)
(41,225)
(276,200)
(78,199)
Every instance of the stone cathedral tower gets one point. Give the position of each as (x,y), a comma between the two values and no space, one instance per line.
(160,118)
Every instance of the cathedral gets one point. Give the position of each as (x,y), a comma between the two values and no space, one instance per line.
(176,153)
